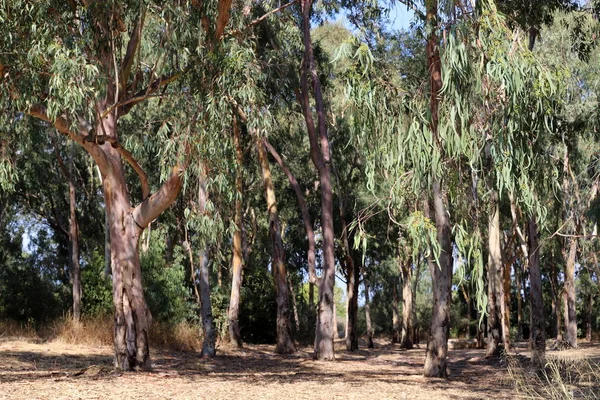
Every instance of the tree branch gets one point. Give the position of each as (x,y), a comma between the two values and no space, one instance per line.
(153,206)
(312,274)
(101,139)
(223,18)
(132,48)
(265,16)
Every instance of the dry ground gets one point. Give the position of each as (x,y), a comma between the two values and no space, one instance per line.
(32,369)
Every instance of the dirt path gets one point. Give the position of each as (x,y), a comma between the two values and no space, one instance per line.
(30,370)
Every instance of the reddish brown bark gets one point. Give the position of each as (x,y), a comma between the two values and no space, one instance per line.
(321,157)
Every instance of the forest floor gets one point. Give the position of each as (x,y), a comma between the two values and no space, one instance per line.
(34,369)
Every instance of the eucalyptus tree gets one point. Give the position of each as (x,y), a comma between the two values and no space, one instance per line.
(81,68)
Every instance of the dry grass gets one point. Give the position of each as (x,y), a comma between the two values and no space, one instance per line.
(98,331)
(14,329)
(571,374)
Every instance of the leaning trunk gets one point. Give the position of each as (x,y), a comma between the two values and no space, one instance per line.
(285,344)
(538,333)
(235,336)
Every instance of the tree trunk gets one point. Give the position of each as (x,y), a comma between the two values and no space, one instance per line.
(294,305)
(285,344)
(556,301)
(537,329)
(494,280)
(569,289)
(505,306)
(321,157)
(395,313)
(209,348)
(74,244)
(589,302)
(336,332)
(368,314)
(407,305)
(415,287)
(235,336)
(132,317)
(437,345)
(352,311)
(468,301)
(518,279)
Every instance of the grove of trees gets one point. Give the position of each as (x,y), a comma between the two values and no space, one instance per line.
(234,164)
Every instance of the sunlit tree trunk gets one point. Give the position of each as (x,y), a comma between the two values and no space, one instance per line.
(235,336)
(493,274)
(406,334)
(538,333)
(285,344)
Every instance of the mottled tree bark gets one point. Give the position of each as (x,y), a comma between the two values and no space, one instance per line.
(494,279)
(538,333)
(589,303)
(285,344)
(235,336)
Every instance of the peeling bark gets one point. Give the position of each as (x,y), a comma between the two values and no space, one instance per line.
(406,340)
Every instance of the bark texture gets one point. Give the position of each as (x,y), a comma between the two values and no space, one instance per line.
(74,245)
(321,157)
(437,344)
(285,344)
(396,325)
(538,333)
(235,336)
(494,278)
(569,292)
(406,341)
